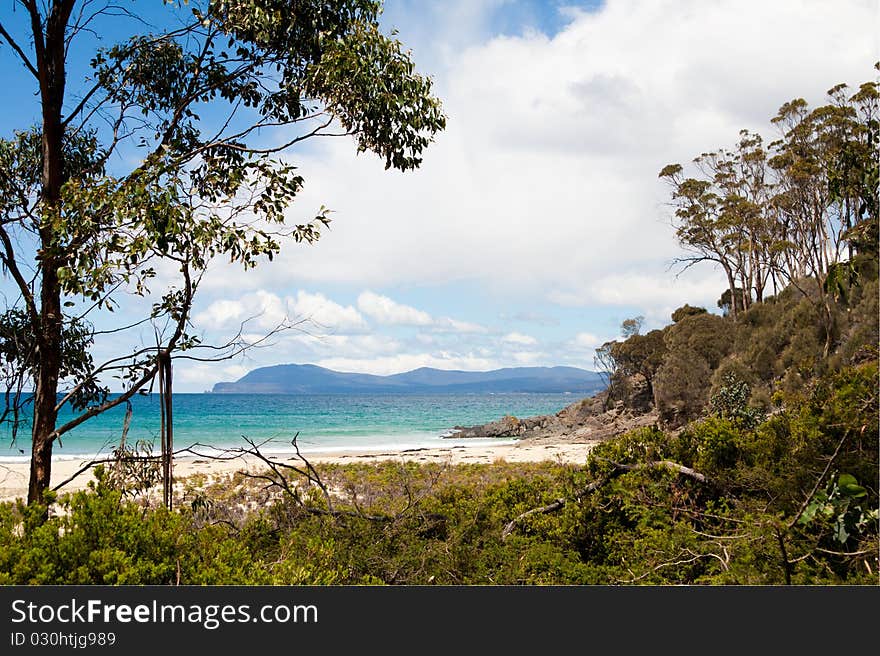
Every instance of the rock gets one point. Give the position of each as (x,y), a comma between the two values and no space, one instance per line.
(587,419)
(507,426)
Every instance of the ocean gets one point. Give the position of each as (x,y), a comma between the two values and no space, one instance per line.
(324,422)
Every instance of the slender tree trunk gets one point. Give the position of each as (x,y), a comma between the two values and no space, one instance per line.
(731,282)
(828,313)
(746,295)
(761,286)
(50,50)
(749,264)
(847,225)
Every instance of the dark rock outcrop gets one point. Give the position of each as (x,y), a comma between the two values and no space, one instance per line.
(586,420)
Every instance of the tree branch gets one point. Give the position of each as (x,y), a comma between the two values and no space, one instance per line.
(818,482)
(618,470)
(18,51)
(9,261)
(182,320)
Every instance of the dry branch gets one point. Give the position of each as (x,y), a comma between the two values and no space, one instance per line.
(618,470)
(275,477)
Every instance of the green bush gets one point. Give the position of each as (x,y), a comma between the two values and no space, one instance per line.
(717,443)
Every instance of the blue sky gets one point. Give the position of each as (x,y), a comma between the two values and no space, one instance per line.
(536,223)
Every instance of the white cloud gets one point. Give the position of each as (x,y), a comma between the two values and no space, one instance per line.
(547,172)
(199,376)
(445,324)
(222,313)
(265,310)
(389,312)
(529,358)
(643,290)
(587,341)
(544,186)
(408,361)
(320,310)
(358,346)
(261,310)
(519,338)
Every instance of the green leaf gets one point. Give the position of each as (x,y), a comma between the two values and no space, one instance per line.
(850,487)
(842,534)
(809,514)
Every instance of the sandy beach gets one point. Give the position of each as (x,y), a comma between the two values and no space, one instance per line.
(14,476)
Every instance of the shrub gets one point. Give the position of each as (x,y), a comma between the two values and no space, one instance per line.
(717,443)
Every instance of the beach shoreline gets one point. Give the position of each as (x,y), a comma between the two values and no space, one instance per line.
(14,476)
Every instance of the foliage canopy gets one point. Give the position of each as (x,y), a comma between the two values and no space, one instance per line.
(208,105)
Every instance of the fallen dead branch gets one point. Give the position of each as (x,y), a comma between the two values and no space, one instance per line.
(618,470)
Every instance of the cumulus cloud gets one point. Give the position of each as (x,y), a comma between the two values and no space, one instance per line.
(265,310)
(389,312)
(529,358)
(519,338)
(445,324)
(587,342)
(320,310)
(261,310)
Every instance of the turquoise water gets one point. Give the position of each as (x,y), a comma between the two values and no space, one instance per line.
(324,422)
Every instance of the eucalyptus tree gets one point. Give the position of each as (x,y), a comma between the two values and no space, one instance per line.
(207,100)
(793,213)
(631,326)
(724,216)
(606,367)
(702,224)
(826,170)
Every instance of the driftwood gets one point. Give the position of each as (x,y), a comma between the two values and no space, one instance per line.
(618,470)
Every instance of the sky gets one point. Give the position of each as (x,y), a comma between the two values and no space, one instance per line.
(537,222)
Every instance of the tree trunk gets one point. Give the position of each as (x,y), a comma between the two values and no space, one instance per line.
(746,295)
(828,316)
(731,282)
(50,50)
(46,391)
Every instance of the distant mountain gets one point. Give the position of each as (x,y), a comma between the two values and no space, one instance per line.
(311,379)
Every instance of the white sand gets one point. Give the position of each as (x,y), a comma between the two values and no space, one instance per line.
(14,476)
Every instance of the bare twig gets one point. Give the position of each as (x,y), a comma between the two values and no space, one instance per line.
(819,480)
